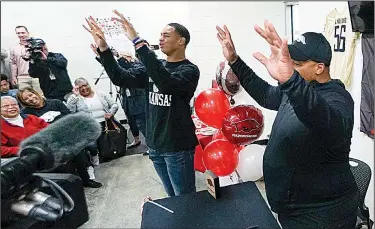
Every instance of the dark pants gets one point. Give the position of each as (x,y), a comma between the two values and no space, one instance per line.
(342,216)
(137,123)
(82,162)
(176,171)
(93,147)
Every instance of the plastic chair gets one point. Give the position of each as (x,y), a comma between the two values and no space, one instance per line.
(362,175)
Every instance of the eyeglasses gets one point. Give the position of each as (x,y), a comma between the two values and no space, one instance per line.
(9,106)
(83,85)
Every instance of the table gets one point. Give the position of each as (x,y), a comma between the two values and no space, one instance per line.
(241,206)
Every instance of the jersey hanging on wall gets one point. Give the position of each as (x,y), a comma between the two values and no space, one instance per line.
(367,92)
(338,32)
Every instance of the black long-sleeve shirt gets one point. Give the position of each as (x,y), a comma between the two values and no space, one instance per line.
(306,162)
(53,76)
(52,110)
(170,87)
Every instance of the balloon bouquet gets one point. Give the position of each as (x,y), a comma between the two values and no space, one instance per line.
(237,127)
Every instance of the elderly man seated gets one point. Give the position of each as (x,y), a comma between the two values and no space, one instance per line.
(16,127)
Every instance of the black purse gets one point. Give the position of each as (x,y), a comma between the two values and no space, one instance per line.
(112,141)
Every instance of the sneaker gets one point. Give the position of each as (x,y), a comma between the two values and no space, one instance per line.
(90,171)
(95,160)
(146,153)
(92,184)
(134,144)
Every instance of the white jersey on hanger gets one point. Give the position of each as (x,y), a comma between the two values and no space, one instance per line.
(338,32)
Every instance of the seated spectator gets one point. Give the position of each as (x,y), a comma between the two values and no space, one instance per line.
(5,87)
(15,127)
(53,76)
(33,103)
(98,104)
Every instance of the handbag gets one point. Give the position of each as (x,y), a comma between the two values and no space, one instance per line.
(112,141)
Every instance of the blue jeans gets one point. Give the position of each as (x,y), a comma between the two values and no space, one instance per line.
(176,171)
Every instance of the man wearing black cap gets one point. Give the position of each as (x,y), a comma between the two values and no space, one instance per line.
(306,163)
(51,69)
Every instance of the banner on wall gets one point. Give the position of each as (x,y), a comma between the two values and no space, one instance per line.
(367,89)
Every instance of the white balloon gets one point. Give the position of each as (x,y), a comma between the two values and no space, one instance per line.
(250,165)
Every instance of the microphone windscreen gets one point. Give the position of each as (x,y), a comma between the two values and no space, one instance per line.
(66,137)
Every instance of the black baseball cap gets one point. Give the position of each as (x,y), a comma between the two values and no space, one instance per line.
(311,46)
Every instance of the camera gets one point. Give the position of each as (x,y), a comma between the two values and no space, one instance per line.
(34,47)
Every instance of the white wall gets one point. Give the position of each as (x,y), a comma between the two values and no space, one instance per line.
(63,32)
(59,24)
(240,17)
(362,146)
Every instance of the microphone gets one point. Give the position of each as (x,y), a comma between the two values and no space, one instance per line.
(45,199)
(34,210)
(45,150)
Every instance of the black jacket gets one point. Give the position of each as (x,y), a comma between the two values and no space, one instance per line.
(170,87)
(133,99)
(306,162)
(53,87)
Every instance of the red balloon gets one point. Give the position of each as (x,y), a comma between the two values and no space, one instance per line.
(211,106)
(221,157)
(198,159)
(218,135)
(243,124)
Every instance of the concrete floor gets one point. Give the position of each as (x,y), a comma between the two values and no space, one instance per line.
(126,181)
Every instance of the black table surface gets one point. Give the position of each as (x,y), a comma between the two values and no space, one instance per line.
(240,206)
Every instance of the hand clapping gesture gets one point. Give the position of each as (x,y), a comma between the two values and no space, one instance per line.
(279,64)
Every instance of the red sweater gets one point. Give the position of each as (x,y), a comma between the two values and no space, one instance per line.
(11,135)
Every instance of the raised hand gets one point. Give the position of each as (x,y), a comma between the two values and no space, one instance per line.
(126,25)
(279,64)
(94,47)
(97,33)
(227,45)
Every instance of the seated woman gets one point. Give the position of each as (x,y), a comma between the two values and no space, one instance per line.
(33,103)
(97,103)
(15,127)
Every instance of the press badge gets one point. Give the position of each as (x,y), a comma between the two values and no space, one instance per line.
(127,92)
(52,76)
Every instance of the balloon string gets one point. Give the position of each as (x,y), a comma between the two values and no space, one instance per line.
(239,177)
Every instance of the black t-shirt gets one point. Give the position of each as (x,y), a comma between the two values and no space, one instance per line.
(52,110)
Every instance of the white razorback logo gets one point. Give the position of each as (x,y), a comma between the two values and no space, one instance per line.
(301,39)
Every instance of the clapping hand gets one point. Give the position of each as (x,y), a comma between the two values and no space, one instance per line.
(126,25)
(97,33)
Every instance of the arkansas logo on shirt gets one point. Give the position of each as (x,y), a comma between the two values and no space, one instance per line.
(158,99)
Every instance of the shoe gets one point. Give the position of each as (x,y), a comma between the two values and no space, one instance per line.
(92,184)
(90,171)
(95,160)
(133,145)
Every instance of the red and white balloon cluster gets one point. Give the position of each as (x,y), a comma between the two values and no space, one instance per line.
(237,126)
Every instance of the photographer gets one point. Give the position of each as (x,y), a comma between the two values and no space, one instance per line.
(51,69)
